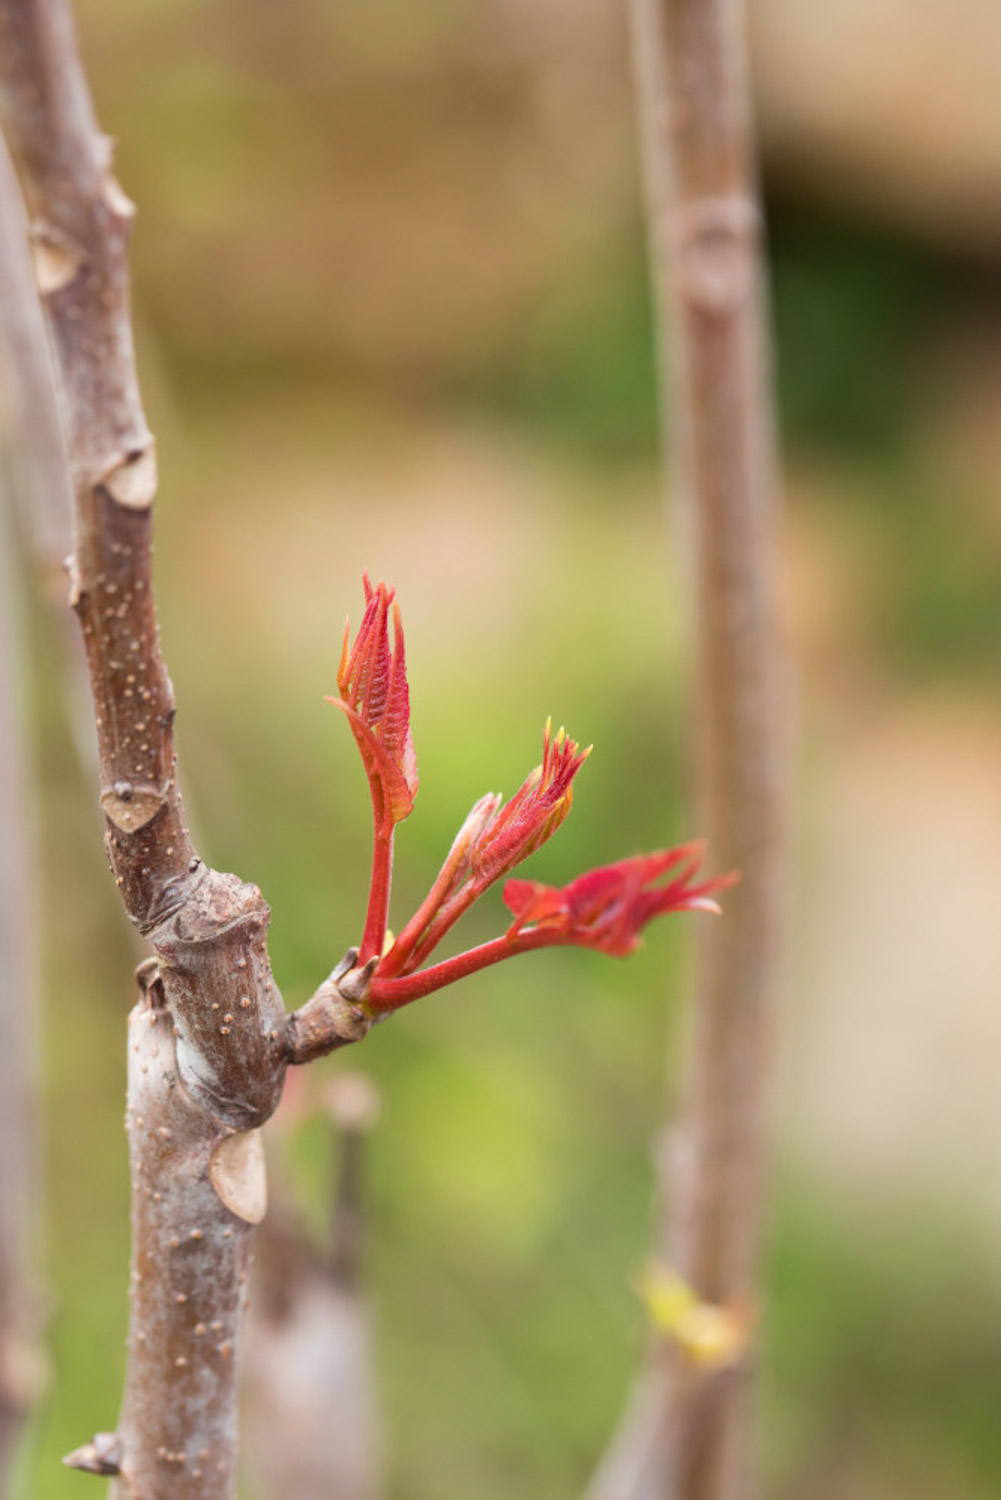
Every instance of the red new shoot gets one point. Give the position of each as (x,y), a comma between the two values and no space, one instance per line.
(372,681)
(606,908)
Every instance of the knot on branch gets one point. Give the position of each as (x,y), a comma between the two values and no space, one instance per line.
(102,1455)
(147,977)
(115,197)
(715,242)
(335,1015)
(228,1015)
(131,477)
(57,258)
(132,804)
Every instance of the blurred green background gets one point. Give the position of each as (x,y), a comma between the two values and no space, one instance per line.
(392,314)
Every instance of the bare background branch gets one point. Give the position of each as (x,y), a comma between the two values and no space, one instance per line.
(311,1413)
(19,1290)
(34,486)
(688,1435)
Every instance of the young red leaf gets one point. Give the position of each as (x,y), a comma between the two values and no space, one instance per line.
(372,680)
(493,839)
(607,908)
(533,814)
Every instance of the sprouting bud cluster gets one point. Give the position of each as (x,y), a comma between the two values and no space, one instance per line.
(605,908)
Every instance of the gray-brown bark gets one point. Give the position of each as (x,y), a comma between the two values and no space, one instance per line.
(191,1260)
(688,1435)
(39,470)
(30,455)
(209,1039)
(207,1051)
(36,453)
(19,1308)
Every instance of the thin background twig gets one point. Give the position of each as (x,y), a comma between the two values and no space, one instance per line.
(688,1434)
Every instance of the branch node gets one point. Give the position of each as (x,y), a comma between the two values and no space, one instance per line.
(73,574)
(115,197)
(344,966)
(716,242)
(102,1455)
(150,981)
(333,1017)
(132,804)
(56,257)
(131,479)
(354,984)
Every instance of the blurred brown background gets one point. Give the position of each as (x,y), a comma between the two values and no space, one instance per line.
(392,313)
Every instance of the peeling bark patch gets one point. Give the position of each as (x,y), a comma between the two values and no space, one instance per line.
(73,574)
(225,1051)
(132,479)
(102,1455)
(238,1174)
(716,239)
(131,805)
(117,199)
(56,262)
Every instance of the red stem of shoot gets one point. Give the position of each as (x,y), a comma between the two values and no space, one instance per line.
(392,994)
(377,916)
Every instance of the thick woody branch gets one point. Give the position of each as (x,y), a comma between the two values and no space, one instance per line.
(207,1046)
(196,1194)
(713,297)
(688,1437)
(208,929)
(81,222)
(710,263)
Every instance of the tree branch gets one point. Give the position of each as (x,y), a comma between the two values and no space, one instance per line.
(81,224)
(689,1433)
(39,473)
(207,1041)
(40,483)
(197,1192)
(20,1354)
(313,1428)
